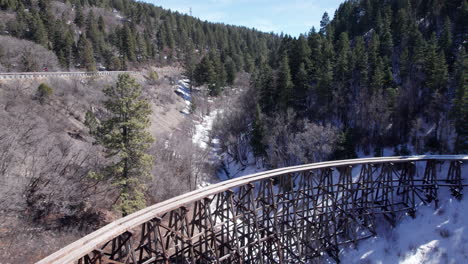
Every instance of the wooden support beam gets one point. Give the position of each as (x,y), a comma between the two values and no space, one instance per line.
(291,216)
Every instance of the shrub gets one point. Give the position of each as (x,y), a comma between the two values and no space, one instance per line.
(153,76)
(44,92)
(91,122)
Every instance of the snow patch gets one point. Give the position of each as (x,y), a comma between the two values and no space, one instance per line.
(432,237)
(233,169)
(183,90)
(201,137)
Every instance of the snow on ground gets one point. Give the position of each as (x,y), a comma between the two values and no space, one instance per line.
(183,90)
(232,169)
(201,136)
(434,236)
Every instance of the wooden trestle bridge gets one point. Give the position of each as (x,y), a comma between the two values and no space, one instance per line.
(297,214)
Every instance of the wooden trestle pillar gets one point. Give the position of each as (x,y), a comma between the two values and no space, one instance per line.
(294,217)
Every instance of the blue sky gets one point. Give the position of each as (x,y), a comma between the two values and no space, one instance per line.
(289,16)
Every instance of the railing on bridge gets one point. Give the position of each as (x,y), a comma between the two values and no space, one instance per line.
(289,215)
(27,75)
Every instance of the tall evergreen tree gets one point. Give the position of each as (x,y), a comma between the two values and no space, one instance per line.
(128,43)
(460,108)
(265,85)
(360,64)
(446,39)
(93,33)
(85,54)
(324,23)
(79,17)
(230,71)
(189,63)
(435,67)
(299,54)
(324,85)
(258,134)
(126,142)
(284,84)
(101,25)
(301,90)
(38,30)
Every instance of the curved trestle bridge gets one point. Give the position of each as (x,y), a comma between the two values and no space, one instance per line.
(297,214)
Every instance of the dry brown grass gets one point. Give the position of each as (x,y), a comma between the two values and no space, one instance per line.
(46,153)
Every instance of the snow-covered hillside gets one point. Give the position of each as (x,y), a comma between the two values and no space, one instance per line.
(434,236)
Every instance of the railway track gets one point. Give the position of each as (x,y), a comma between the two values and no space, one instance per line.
(92,248)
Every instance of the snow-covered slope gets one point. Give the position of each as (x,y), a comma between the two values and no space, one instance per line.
(434,236)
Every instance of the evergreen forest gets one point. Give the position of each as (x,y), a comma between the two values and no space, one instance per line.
(380,73)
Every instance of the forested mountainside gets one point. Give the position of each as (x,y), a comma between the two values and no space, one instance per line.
(123,34)
(381,74)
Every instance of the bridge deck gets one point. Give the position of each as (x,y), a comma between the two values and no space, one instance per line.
(286,215)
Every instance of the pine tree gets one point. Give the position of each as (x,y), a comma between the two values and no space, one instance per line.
(324,23)
(360,63)
(315,42)
(300,54)
(258,134)
(445,40)
(341,94)
(373,52)
(141,48)
(126,142)
(38,30)
(435,67)
(91,122)
(189,63)
(169,35)
(301,89)
(203,70)
(401,26)
(284,84)
(8,4)
(86,54)
(265,85)
(386,44)
(128,43)
(417,47)
(219,79)
(378,76)
(101,25)
(404,63)
(92,31)
(230,71)
(79,17)
(343,58)
(324,85)
(46,15)
(460,108)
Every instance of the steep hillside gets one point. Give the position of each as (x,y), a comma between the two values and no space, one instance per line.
(380,74)
(48,153)
(126,34)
